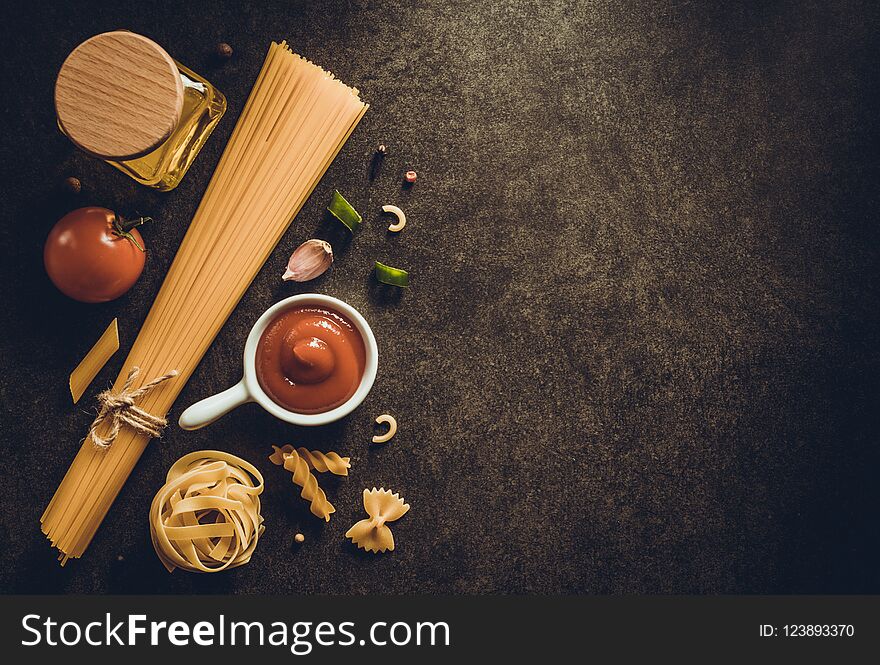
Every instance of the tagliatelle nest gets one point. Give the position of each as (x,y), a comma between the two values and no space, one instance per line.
(373,534)
(207,518)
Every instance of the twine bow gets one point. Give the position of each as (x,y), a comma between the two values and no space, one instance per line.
(120,409)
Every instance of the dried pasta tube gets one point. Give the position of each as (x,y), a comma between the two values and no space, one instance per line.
(401,218)
(95,359)
(392,428)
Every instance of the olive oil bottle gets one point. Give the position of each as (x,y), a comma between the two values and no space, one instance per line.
(120,97)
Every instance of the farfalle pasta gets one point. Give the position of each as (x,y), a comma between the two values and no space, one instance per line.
(206,517)
(300,463)
(373,534)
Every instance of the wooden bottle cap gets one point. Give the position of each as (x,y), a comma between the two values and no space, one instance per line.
(118,95)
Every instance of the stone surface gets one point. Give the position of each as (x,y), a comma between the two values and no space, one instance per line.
(639,353)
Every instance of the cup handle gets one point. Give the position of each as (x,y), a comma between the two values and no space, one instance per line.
(211,408)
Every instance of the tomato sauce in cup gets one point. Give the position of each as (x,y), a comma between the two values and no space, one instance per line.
(310,359)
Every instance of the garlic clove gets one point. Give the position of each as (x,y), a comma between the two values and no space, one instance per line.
(308,261)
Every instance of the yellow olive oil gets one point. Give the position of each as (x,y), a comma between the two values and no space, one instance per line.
(164,167)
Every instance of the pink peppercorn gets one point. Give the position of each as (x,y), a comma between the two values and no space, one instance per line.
(410,176)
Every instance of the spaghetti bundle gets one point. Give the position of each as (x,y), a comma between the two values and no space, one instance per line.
(296,120)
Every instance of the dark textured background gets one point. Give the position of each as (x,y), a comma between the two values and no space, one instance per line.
(640,349)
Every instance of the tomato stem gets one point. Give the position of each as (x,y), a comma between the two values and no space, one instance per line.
(122,227)
(126,225)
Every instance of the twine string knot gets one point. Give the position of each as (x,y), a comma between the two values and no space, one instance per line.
(121,409)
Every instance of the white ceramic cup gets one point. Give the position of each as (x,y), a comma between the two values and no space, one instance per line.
(249,389)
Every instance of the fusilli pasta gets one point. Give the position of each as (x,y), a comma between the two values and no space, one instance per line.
(317,461)
(298,465)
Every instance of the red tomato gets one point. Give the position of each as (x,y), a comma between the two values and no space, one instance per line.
(89,258)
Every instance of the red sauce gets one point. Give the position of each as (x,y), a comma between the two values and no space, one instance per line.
(310,359)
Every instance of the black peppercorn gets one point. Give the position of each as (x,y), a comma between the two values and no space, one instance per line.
(224,51)
(378,157)
(72,185)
